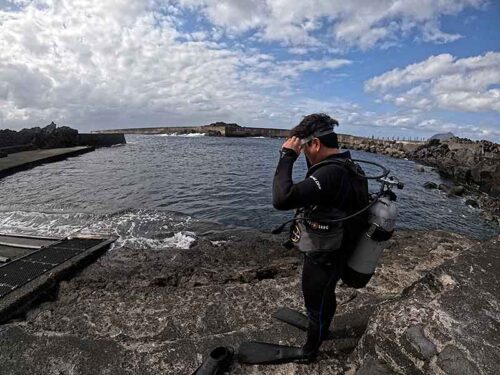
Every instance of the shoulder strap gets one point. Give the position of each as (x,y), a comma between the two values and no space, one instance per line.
(343,162)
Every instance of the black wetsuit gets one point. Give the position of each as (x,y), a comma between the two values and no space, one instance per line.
(327,186)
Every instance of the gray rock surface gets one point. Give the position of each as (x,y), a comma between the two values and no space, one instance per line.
(453,315)
(161,312)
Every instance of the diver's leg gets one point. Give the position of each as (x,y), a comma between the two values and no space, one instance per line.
(318,288)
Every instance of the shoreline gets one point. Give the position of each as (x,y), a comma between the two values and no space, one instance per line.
(151,312)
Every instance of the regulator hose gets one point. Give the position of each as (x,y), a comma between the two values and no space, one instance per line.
(385,172)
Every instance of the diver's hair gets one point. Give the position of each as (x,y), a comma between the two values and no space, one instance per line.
(317,122)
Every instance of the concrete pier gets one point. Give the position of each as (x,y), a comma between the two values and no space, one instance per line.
(19,161)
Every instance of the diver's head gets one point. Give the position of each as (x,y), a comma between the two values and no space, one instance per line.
(317,135)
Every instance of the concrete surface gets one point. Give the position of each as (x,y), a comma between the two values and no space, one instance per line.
(28,159)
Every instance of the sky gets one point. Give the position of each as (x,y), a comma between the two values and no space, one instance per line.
(388,68)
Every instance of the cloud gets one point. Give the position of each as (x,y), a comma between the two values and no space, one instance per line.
(97,64)
(357,23)
(446,82)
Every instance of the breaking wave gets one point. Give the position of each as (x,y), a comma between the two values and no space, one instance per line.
(182,135)
(138,229)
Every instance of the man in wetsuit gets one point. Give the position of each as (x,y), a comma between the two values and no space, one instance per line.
(329,191)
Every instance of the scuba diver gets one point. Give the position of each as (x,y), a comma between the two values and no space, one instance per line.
(338,227)
(329,191)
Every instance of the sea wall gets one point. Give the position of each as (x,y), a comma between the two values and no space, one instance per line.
(101,140)
(219,129)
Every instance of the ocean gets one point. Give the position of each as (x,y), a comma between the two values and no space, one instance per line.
(162,191)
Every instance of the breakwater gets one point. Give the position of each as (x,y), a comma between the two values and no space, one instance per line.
(394,148)
(217,129)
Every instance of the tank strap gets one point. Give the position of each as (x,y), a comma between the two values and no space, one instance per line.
(378,234)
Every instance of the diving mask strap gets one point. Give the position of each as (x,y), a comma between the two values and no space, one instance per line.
(316,135)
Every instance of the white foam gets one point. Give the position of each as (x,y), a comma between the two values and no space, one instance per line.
(181,135)
(141,229)
(180,240)
(218,243)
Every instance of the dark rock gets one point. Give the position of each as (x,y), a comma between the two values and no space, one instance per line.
(456,190)
(418,343)
(472,203)
(50,136)
(430,185)
(444,187)
(372,366)
(452,361)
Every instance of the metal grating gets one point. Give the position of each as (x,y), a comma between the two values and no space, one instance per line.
(18,273)
(52,255)
(21,271)
(78,243)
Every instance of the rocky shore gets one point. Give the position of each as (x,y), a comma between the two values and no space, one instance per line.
(52,136)
(473,167)
(432,307)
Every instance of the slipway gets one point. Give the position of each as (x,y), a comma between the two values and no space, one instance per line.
(32,266)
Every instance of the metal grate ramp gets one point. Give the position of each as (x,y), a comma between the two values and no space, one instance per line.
(23,270)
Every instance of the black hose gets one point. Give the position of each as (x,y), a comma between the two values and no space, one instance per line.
(279,229)
(384,169)
(385,172)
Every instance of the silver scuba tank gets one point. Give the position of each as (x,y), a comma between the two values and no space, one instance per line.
(364,259)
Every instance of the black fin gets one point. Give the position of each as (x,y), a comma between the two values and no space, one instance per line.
(254,352)
(217,362)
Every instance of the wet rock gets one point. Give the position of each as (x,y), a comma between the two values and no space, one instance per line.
(465,161)
(444,187)
(430,185)
(419,168)
(472,203)
(456,190)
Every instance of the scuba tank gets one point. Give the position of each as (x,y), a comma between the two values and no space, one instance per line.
(365,256)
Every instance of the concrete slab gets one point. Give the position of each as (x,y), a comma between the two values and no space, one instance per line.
(28,159)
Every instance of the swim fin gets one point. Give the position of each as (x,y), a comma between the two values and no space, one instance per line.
(254,352)
(217,362)
(296,319)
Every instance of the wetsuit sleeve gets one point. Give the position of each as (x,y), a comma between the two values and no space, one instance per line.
(286,194)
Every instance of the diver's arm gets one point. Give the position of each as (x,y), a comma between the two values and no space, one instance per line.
(327,184)
(286,194)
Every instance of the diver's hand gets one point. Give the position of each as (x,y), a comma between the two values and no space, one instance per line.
(292,144)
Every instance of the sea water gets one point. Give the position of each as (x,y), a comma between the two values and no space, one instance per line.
(164,191)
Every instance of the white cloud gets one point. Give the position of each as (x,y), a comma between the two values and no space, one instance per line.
(360,23)
(97,64)
(443,81)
